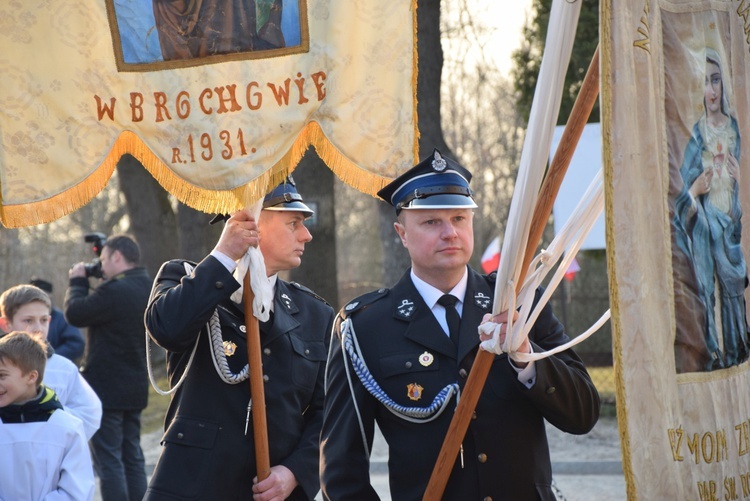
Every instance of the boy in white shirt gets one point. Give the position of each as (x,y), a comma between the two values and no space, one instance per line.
(43,451)
(27,308)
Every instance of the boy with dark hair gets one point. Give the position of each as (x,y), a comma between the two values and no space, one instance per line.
(43,449)
(27,308)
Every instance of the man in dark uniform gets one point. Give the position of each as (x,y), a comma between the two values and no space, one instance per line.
(208,445)
(399,357)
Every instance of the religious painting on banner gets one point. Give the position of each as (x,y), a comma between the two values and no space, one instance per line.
(149,33)
(218,99)
(675,109)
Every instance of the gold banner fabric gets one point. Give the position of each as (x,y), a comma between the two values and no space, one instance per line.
(218,99)
(676,125)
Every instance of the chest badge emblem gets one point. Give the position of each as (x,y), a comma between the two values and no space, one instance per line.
(414,391)
(482,300)
(287,301)
(426,359)
(229,348)
(405,309)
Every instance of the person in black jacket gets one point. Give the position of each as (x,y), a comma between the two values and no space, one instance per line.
(115,362)
(208,444)
(414,346)
(66,339)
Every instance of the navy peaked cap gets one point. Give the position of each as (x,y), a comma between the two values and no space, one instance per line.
(286,198)
(437,182)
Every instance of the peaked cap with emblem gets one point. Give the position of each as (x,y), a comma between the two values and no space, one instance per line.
(286,198)
(282,198)
(437,182)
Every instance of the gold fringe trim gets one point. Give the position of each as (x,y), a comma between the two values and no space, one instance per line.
(211,201)
(605,37)
(57,206)
(415,74)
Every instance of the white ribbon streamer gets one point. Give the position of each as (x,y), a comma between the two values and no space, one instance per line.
(253,261)
(567,243)
(544,111)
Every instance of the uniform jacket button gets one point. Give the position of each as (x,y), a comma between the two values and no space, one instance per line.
(462,373)
(219,285)
(266,351)
(474,415)
(482,458)
(266,378)
(407,365)
(307,352)
(487,498)
(551,389)
(180,436)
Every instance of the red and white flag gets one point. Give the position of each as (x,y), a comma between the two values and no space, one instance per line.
(572,270)
(491,256)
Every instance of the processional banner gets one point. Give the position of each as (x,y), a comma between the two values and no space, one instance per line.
(676,130)
(218,99)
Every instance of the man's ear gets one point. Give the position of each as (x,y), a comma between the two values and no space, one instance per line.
(401,230)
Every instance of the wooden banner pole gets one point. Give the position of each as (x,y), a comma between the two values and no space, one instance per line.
(257,390)
(483,363)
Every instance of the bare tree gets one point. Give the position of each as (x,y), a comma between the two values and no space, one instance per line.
(152,220)
(318,270)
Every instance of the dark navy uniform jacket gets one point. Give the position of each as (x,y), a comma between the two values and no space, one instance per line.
(506,456)
(206,453)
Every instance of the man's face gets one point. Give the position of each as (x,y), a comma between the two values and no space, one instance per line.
(438,240)
(15,386)
(110,266)
(282,239)
(32,317)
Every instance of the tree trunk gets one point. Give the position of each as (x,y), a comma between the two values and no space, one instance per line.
(152,220)
(197,237)
(430,67)
(318,270)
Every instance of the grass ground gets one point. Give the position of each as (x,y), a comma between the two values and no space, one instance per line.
(604,380)
(152,418)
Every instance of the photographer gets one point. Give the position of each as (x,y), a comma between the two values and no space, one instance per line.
(115,361)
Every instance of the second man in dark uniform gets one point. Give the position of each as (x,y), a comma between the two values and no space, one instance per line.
(208,445)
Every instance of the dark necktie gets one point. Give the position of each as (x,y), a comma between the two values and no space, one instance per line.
(451,315)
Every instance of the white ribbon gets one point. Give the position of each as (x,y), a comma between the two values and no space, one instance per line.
(544,111)
(253,261)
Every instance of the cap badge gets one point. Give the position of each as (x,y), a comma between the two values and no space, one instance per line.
(414,391)
(426,359)
(229,348)
(482,300)
(406,308)
(438,162)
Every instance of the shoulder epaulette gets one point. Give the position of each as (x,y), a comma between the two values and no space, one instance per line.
(363,301)
(308,291)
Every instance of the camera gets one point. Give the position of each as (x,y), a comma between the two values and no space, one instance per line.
(94,268)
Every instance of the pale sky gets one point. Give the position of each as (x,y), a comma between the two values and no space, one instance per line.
(504,18)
